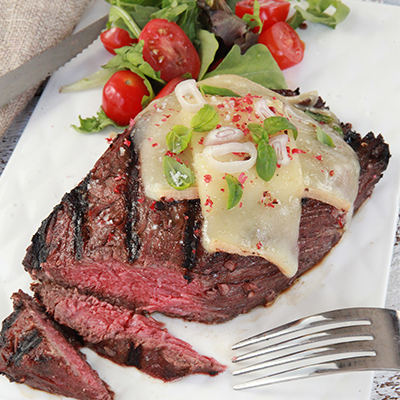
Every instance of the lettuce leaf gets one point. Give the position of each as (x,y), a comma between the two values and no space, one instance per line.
(257,65)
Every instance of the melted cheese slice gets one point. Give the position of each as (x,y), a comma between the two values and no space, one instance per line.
(266,221)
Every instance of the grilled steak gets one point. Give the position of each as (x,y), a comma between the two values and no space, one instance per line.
(34,351)
(123,336)
(107,239)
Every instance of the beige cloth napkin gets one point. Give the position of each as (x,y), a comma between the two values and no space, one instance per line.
(27,28)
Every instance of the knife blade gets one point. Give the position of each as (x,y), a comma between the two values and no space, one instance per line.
(38,68)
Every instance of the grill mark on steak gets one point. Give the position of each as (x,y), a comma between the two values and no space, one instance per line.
(132,206)
(25,346)
(192,237)
(78,206)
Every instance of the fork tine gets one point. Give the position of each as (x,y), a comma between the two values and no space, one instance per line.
(352,349)
(317,369)
(313,321)
(337,333)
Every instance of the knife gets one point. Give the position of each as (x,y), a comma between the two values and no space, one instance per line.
(38,68)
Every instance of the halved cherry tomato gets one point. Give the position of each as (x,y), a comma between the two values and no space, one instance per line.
(271,11)
(115,38)
(122,96)
(284,44)
(169,87)
(168,50)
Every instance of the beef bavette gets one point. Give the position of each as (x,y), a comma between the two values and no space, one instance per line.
(107,239)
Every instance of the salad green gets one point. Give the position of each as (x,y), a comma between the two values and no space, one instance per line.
(256,64)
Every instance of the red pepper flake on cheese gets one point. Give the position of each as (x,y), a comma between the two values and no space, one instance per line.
(242,178)
(298,151)
(319,157)
(207,178)
(208,203)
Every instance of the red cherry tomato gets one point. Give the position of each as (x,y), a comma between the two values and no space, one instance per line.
(169,87)
(168,50)
(284,44)
(271,11)
(122,96)
(115,38)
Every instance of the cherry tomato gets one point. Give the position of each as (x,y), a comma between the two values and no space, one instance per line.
(115,38)
(122,96)
(169,87)
(284,44)
(168,50)
(271,11)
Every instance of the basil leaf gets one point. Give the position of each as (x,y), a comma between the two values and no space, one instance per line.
(178,175)
(178,138)
(207,50)
(326,119)
(257,65)
(277,124)
(324,138)
(258,132)
(96,123)
(205,120)
(217,91)
(235,191)
(266,161)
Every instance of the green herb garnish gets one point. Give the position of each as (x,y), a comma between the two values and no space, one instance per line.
(217,91)
(324,138)
(266,161)
(178,138)
(235,191)
(319,117)
(205,120)
(178,175)
(273,125)
(96,123)
(315,12)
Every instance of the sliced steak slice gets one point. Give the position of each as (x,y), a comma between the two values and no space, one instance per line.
(109,240)
(34,351)
(124,337)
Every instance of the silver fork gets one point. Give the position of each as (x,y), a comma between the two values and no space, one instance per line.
(353,339)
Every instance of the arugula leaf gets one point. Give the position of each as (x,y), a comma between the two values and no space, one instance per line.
(178,138)
(96,123)
(207,50)
(324,138)
(254,20)
(235,191)
(205,120)
(183,12)
(217,91)
(316,13)
(95,80)
(131,57)
(119,17)
(257,65)
(266,161)
(178,175)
